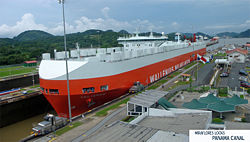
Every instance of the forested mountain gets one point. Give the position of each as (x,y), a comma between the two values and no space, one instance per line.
(32,35)
(227,34)
(244,34)
(30,45)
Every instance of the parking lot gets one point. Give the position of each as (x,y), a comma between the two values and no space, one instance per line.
(232,80)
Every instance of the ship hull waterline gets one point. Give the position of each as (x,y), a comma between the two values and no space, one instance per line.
(119,85)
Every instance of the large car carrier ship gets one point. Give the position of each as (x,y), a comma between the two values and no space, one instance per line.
(99,75)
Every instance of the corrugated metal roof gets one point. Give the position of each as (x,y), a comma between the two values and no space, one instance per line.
(209,99)
(236,100)
(221,106)
(195,104)
(147,98)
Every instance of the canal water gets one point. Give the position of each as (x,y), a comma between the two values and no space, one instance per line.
(226,41)
(17,131)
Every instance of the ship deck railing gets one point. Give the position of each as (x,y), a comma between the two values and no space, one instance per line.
(117,54)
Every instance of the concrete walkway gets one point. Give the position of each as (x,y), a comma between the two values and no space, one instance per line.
(98,126)
(174,78)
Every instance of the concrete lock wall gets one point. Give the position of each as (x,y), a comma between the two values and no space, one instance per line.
(18,82)
(23,109)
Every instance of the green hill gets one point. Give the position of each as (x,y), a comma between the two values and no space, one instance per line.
(245,34)
(32,35)
(30,45)
(5,41)
(227,34)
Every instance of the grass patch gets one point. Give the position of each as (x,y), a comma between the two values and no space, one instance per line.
(157,84)
(30,91)
(223,95)
(128,118)
(217,121)
(114,106)
(201,90)
(35,86)
(11,71)
(67,128)
(174,74)
(182,83)
(222,92)
(189,65)
(220,54)
(248,91)
(10,68)
(192,89)
(243,120)
(204,88)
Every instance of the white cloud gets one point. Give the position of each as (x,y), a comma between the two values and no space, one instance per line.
(105,11)
(174,24)
(219,27)
(27,22)
(246,24)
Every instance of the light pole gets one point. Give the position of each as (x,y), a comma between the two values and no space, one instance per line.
(66,60)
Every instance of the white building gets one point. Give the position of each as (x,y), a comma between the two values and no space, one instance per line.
(237,55)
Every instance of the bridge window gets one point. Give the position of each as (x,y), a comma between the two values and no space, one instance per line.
(104,87)
(88,90)
(54,91)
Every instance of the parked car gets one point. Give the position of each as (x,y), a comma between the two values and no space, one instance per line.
(224,74)
(245,84)
(242,78)
(243,72)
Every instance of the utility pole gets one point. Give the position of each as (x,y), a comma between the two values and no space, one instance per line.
(66,60)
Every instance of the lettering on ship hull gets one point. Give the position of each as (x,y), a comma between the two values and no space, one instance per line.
(167,71)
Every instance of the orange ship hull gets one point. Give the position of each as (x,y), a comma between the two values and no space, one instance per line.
(119,84)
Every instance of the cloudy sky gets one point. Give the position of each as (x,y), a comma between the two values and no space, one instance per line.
(209,16)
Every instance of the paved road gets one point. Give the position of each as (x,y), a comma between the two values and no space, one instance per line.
(98,126)
(204,75)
